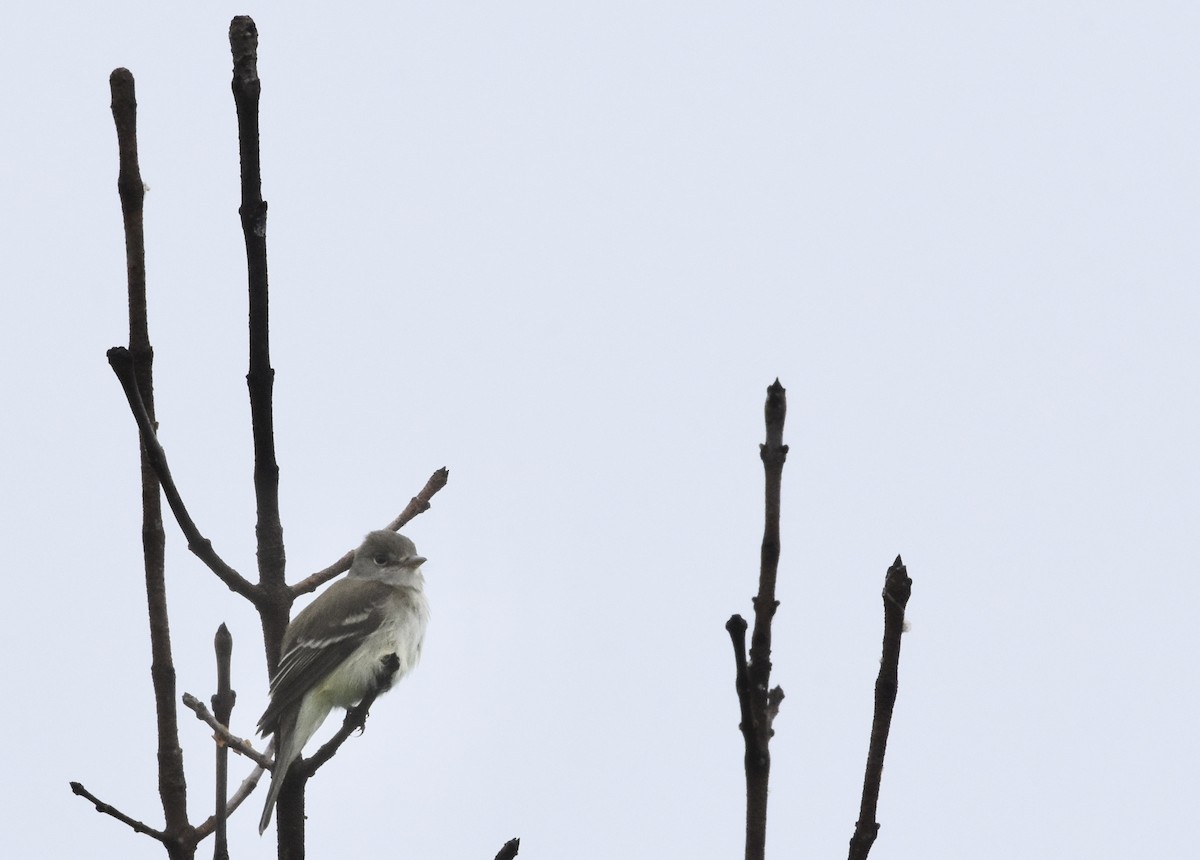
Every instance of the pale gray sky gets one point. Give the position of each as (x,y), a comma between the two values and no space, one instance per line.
(562,249)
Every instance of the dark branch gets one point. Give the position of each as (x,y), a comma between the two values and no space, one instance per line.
(509,851)
(172,781)
(122,362)
(417,505)
(260,379)
(227,740)
(222,703)
(132,192)
(759,702)
(101,806)
(736,625)
(897,588)
(773,454)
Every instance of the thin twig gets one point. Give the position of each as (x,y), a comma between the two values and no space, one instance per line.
(736,626)
(239,745)
(222,703)
(244,790)
(108,809)
(123,365)
(417,505)
(897,588)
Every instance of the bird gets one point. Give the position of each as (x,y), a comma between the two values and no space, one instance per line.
(363,633)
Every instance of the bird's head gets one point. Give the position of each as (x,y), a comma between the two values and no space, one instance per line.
(389,557)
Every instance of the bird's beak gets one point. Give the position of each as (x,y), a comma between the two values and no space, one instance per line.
(414,561)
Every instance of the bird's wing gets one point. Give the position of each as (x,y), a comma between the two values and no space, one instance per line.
(321,637)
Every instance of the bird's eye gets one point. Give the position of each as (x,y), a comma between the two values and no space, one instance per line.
(380,558)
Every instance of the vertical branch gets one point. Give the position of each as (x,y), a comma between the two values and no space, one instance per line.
(759,702)
(222,704)
(897,587)
(243,42)
(172,784)
(275,609)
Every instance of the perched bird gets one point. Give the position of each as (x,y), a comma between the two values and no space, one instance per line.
(339,647)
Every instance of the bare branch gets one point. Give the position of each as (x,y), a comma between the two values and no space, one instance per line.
(172,782)
(759,702)
(417,505)
(107,809)
(736,626)
(222,702)
(420,503)
(125,368)
(133,366)
(897,588)
(241,746)
(260,379)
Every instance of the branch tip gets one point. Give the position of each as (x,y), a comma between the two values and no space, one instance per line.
(243,42)
(120,75)
(775,409)
(108,809)
(509,850)
(119,359)
(223,642)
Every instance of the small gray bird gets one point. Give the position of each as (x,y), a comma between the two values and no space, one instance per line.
(333,651)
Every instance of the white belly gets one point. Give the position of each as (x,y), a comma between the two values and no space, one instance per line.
(401,635)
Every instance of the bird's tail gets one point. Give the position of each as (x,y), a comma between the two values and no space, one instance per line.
(292,732)
(285,754)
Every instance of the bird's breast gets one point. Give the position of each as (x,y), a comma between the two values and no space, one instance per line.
(401,633)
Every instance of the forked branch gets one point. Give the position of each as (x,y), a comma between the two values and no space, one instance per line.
(122,363)
(758,701)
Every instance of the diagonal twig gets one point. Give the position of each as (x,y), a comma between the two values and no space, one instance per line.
(124,366)
(417,505)
(509,850)
(897,588)
(239,745)
(108,809)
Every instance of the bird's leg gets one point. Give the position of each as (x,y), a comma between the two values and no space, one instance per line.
(389,665)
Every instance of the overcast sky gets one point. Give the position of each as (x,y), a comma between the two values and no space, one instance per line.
(562,249)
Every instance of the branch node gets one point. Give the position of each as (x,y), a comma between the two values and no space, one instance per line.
(223,735)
